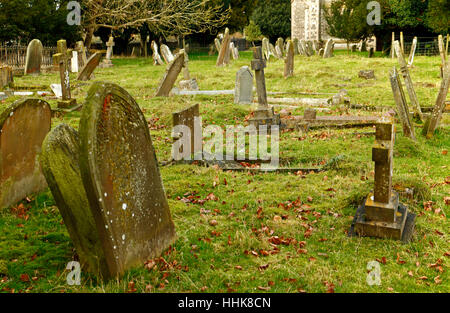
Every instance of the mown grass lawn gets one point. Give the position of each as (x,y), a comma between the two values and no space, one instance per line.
(238,254)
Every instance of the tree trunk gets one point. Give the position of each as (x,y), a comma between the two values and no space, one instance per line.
(348,47)
(89,36)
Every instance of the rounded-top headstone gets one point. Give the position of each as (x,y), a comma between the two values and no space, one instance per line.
(34,57)
(23,126)
(122,180)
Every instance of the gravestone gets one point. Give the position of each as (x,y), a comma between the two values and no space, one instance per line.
(89,67)
(353,48)
(413,52)
(296,42)
(188,83)
(280,45)
(109,53)
(278,52)
(122,180)
(23,126)
(166,54)
(217,44)
(171,74)
(60,165)
(6,76)
(402,43)
(266,48)
(186,118)
(264,114)
(392,46)
(156,57)
(382,215)
(310,48)
(63,57)
(74,62)
(34,57)
(408,82)
(367,74)
(442,53)
(328,52)
(371,52)
(234,51)
(362,46)
(273,50)
(402,105)
(224,54)
(289,60)
(244,86)
(433,122)
(82,58)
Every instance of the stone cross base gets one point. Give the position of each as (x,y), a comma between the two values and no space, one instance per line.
(264,117)
(390,221)
(66,104)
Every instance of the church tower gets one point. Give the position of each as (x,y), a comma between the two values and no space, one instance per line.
(307,20)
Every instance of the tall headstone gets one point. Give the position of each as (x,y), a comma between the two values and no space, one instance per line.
(217,44)
(156,57)
(224,54)
(186,117)
(442,53)
(122,180)
(278,52)
(408,82)
(382,215)
(243,91)
(60,165)
(280,45)
(328,52)
(289,60)
(296,42)
(89,67)
(23,127)
(34,57)
(166,53)
(74,62)
(171,75)
(402,43)
(402,106)
(413,52)
(64,57)
(392,46)
(82,57)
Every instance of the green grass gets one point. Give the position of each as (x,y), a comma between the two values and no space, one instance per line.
(214,259)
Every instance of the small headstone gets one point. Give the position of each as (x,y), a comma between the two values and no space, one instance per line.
(166,53)
(190,84)
(56,88)
(278,52)
(74,62)
(303,48)
(234,51)
(186,117)
(413,52)
(6,76)
(244,86)
(224,54)
(328,52)
(367,74)
(353,48)
(280,45)
(60,165)
(371,52)
(289,60)
(156,57)
(122,180)
(89,67)
(23,127)
(34,57)
(310,114)
(266,48)
(171,75)
(310,48)
(296,42)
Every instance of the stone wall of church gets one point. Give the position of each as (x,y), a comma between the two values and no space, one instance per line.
(307,20)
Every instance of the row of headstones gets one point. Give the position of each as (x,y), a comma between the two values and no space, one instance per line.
(104,178)
(226,49)
(301,47)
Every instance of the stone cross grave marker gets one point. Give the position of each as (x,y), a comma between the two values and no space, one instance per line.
(90,66)
(122,180)
(328,52)
(109,53)
(402,105)
(408,81)
(63,57)
(34,57)
(23,126)
(166,54)
(156,57)
(413,52)
(60,164)
(187,118)
(433,122)
(171,74)
(224,54)
(381,215)
(264,114)
(244,86)
(289,60)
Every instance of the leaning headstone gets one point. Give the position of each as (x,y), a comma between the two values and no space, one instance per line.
(166,53)
(171,75)
(382,215)
(413,52)
(224,54)
(23,127)
(122,180)
(402,105)
(34,57)
(156,57)
(60,165)
(217,44)
(244,86)
(89,67)
(328,52)
(289,60)
(266,48)
(187,118)
(439,107)
(6,76)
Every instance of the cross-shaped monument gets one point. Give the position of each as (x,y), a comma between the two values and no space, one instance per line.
(62,58)
(264,114)
(109,53)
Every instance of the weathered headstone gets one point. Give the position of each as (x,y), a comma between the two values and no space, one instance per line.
(82,58)
(310,48)
(186,118)
(122,180)
(280,45)
(402,43)
(224,54)
(63,57)
(362,46)
(217,44)
(289,60)
(413,52)
(89,67)
(6,76)
(188,83)
(264,114)
(109,53)
(296,42)
(328,52)
(382,215)
(433,122)
(166,53)
(266,48)
(278,52)
(392,46)
(23,127)
(408,82)
(442,53)
(371,52)
(273,50)
(74,62)
(171,75)
(402,105)
(244,86)
(367,74)
(156,57)
(60,165)
(234,51)
(34,57)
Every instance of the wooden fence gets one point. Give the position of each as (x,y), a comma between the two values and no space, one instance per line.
(15,56)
